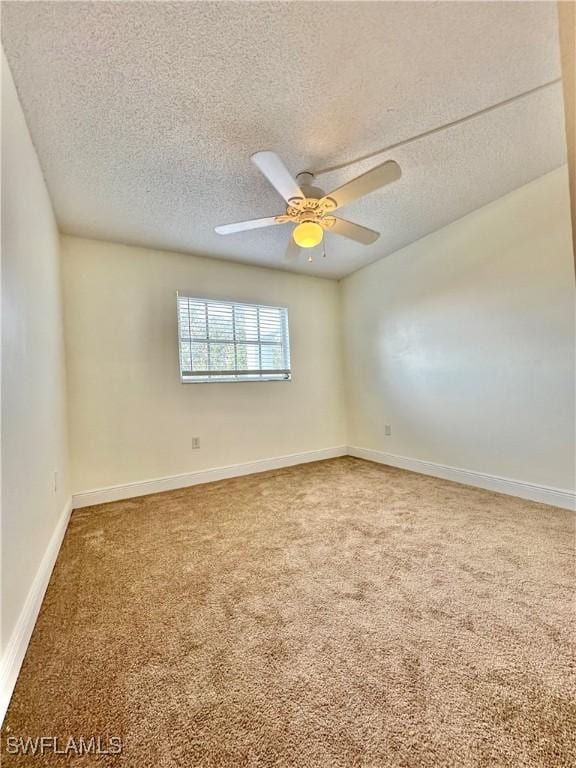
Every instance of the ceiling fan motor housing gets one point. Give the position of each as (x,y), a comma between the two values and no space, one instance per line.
(313,207)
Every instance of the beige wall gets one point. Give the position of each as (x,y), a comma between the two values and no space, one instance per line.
(33,384)
(464,342)
(567,37)
(130,417)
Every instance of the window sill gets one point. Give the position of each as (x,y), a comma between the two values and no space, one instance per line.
(234,380)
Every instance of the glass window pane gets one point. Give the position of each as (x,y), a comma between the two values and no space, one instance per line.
(272,357)
(185,356)
(270,324)
(192,320)
(220,325)
(221,357)
(246,319)
(199,351)
(248,357)
(197,320)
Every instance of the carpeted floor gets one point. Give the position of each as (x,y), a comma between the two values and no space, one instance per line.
(333,614)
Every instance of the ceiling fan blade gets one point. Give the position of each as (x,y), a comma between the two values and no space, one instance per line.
(366,183)
(292,249)
(354,231)
(242,226)
(277,174)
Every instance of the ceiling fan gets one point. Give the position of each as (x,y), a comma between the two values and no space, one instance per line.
(309,208)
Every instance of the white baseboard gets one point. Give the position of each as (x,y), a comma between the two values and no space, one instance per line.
(171,483)
(15,651)
(557,497)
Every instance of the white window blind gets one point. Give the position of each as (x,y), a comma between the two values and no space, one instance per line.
(230,341)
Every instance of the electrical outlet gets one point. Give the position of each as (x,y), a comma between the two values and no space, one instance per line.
(387,430)
(195,443)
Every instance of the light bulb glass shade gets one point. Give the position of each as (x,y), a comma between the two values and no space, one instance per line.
(308,234)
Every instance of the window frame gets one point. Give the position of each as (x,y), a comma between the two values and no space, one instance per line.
(237,376)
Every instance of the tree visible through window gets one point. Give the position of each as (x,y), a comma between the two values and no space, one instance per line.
(230,341)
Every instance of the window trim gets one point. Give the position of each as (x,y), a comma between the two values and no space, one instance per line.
(235,376)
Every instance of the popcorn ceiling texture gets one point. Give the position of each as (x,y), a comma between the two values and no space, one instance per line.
(332,615)
(145,114)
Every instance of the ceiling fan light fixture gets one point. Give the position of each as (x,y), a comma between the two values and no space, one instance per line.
(308,234)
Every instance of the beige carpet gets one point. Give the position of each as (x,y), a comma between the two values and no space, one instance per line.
(334,614)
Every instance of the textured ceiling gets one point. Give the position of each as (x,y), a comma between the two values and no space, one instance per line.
(145,114)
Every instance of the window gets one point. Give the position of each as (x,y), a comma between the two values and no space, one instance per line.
(229,341)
